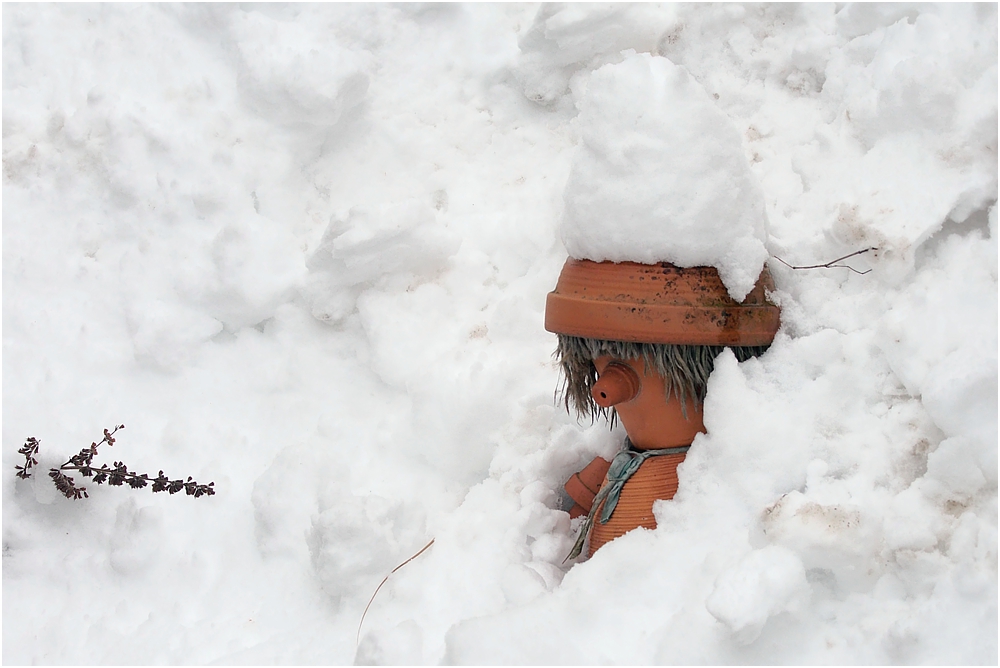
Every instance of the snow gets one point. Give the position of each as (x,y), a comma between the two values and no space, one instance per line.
(661,176)
(303,252)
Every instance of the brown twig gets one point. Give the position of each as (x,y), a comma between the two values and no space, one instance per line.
(384,580)
(832,264)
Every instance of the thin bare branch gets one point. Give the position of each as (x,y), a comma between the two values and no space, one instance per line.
(832,264)
(357,640)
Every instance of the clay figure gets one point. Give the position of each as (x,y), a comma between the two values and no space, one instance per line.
(637,343)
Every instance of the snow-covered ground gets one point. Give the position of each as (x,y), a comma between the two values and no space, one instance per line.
(303,252)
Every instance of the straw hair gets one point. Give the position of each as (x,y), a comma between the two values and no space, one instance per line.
(685,368)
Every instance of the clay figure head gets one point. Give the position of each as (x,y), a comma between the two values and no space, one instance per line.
(665,409)
(646,337)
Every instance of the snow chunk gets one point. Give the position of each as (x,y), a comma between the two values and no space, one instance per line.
(371,246)
(290,76)
(766,582)
(566,38)
(660,176)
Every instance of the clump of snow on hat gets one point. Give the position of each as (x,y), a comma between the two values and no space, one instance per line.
(660,176)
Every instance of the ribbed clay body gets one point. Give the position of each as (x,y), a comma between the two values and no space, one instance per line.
(655,479)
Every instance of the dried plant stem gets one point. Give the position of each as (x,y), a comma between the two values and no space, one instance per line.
(29,450)
(115,476)
(384,580)
(832,263)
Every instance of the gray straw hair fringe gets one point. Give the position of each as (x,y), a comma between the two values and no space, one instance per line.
(684,368)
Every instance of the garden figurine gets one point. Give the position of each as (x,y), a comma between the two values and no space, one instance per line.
(637,343)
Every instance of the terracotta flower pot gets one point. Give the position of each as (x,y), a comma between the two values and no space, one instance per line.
(618,384)
(658,303)
(583,486)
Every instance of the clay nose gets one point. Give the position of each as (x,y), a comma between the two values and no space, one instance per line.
(618,383)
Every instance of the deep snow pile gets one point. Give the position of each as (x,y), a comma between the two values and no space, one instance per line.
(303,252)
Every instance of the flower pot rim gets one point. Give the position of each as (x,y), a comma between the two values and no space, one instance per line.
(658,303)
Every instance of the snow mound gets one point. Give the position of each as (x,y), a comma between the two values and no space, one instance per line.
(292,76)
(660,176)
(370,246)
(570,40)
